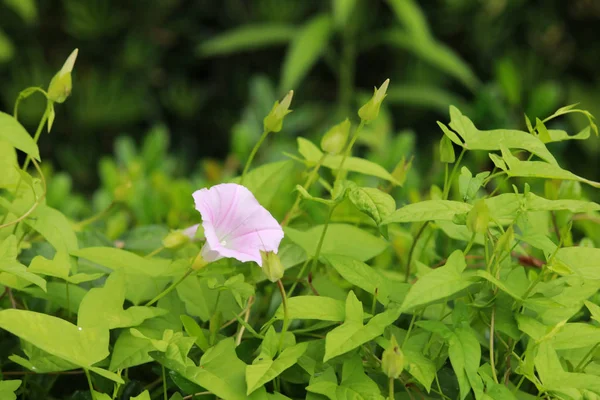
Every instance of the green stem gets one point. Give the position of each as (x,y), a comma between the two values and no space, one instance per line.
(412,250)
(170,288)
(36,137)
(391,388)
(252,154)
(315,259)
(410,327)
(492,355)
(155,252)
(307,184)
(89,379)
(68,300)
(164,379)
(94,218)
(581,366)
(340,172)
(285,314)
(298,277)
(451,179)
(470,244)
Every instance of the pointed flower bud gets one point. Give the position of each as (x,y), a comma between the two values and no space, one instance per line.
(175,239)
(478,218)
(370,110)
(274,121)
(392,360)
(271,265)
(61,85)
(335,139)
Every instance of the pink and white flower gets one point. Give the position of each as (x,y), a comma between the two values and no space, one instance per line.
(235,224)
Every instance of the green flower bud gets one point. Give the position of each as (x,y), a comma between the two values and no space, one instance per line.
(334,141)
(400,172)
(505,241)
(478,218)
(61,84)
(272,266)
(175,239)
(392,360)
(274,121)
(199,262)
(370,110)
(446,150)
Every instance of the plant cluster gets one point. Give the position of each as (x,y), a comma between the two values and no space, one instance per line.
(308,277)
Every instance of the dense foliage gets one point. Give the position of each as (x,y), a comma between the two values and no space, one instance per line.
(439,282)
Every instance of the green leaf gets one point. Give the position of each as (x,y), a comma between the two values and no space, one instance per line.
(8,389)
(363,276)
(145,395)
(313,307)
(428,210)
(264,370)
(54,227)
(571,109)
(540,169)
(340,239)
(122,260)
(9,165)
(7,49)
(193,329)
(40,361)
(245,38)
(465,355)
(409,14)
(103,307)
(261,181)
(14,133)
(10,266)
(469,185)
(342,10)
(439,284)
(576,335)
(583,261)
(80,346)
(420,367)
(305,49)
(475,139)
(352,333)
(130,351)
(373,202)
(556,135)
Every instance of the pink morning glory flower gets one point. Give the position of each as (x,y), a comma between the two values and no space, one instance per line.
(235,224)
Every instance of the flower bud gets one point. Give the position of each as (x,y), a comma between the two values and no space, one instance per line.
(274,121)
(61,84)
(335,139)
(478,218)
(175,239)
(505,241)
(272,266)
(370,110)
(446,150)
(400,172)
(392,360)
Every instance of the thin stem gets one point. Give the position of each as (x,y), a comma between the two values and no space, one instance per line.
(164,379)
(38,132)
(191,396)
(391,388)
(307,184)
(492,355)
(68,300)
(238,339)
(315,259)
(89,379)
(470,243)
(340,172)
(170,288)
(285,313)
(154,252)
(252,154)
(410,327)
(581,366)
(412,250)
(94,218)
(298,277)
(451,179)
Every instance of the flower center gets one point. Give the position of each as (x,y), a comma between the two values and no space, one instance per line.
(223,242)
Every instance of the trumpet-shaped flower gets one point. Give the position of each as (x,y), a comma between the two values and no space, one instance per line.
(235,224)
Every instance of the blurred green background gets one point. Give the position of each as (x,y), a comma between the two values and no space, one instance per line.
(200,75)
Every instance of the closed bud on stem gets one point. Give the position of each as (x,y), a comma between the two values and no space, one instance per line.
(61,84)
(334,141)
(446,150)
(392,360)
(274,121)
(175,240)
(272,266)
(370,110)
(478,218)
(504,243)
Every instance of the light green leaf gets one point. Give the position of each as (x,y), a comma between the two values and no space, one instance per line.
(10,266)
(475,139)
(469,185)
(313,307)
(54,227)
(489,277)
(145,395)
(130,351)
(340,239)
(81,346)
(312,154)
(373,202)
(439,284)
(556,135)
(342,10)
(40,361)
(305,49)
(8,389)
(8,164)
(428,210)
(264,370)
(193,329)
(363,276)
(263,180)
(465,355)
(352,333)
(540,169)
(14,133)
(122,260)
(103,307)
(583,261)
(245,38)
(594,310)
(420,367)
(576,335)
